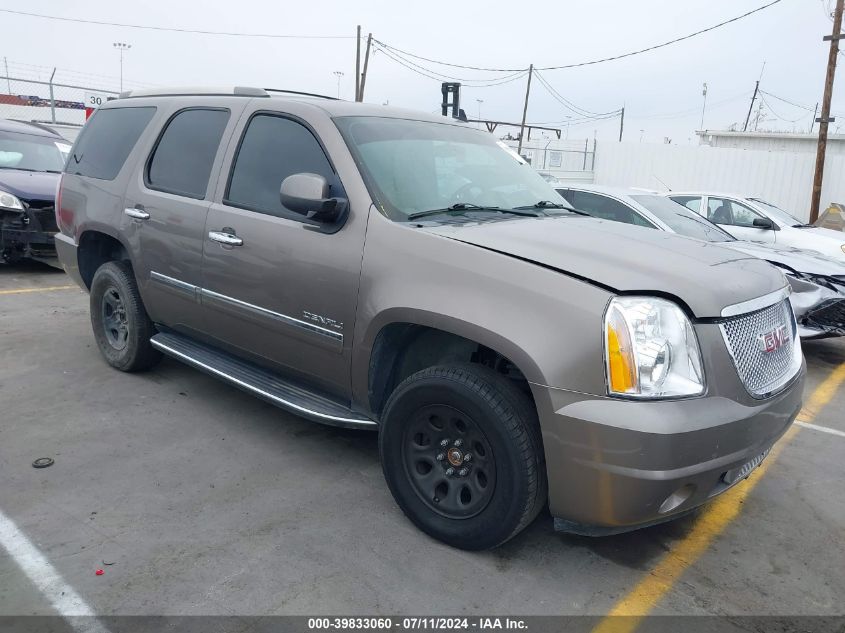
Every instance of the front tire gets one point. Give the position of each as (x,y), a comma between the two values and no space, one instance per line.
(121,325)
(462,454)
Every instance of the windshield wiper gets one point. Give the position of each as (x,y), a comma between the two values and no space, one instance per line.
(548,204)
(466,206)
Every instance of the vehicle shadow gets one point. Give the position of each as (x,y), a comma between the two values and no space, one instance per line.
(28,266)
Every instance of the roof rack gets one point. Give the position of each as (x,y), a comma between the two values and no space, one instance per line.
(189,91)
(302,94)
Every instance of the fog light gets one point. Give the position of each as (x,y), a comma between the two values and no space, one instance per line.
(677,498)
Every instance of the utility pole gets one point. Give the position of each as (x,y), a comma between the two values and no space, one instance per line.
(366,62)
(751,107)
(621,123)
(358,65)
(525,110)
(704,105)
(121,46)
(825,117)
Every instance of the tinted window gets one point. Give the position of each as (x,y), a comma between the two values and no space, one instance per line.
(272,149)
(107,140)
(601,206)
(681,220)
(31,152)
(181,162)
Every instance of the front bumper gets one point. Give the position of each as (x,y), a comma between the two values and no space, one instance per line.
(617,465)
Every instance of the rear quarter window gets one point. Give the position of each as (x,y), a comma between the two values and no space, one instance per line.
(107,140)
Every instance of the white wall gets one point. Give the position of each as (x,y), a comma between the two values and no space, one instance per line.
(784,178)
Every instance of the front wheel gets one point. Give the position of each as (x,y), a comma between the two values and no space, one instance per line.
(121,326)
(461,451)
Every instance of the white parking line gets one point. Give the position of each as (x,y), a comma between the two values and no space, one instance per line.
(823,429)
(47,579)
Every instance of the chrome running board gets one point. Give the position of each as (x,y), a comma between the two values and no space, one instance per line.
(259,381)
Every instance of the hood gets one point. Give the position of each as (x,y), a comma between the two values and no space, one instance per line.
(827,234)
(29,185)
(629,259)
(798,259)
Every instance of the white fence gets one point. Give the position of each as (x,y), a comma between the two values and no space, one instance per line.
(784,178)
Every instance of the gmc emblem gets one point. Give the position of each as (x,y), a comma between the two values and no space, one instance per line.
(774,340)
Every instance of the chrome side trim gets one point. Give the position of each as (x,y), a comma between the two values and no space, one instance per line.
(176,284)
(310,327)
(331,419)
(752,305)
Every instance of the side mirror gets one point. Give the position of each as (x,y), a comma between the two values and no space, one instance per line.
(308,194)
(763,223)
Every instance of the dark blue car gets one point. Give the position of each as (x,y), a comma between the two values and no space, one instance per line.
(31,159)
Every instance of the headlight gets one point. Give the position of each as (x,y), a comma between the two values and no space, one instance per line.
(8,201)
(650,350)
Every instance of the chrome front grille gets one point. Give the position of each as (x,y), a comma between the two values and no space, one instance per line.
(764,347)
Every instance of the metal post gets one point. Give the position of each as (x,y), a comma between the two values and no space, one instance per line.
(525,110)
(586,148)
(52,100)
(358,65)
(593,163)
(813,120)
(8,81)
(825,119)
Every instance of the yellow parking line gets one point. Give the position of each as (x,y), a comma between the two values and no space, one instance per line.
(20,291)
(645,595)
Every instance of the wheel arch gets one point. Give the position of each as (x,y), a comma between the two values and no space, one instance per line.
(401,343)
(95,247)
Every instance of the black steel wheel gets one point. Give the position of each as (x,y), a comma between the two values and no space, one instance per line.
(449,461)
(121,325)
(115,323)
(462,454)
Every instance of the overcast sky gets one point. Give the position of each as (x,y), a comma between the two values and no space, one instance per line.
(661,90)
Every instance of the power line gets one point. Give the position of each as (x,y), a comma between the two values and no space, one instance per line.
(429,74)
(582,112)
(777,116)
(591,62)
(177,30)
(397,57)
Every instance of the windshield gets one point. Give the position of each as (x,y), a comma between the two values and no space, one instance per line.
(683,221)
(32,153)
(416,166)
(776,213)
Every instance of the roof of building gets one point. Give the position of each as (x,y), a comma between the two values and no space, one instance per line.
(768,135)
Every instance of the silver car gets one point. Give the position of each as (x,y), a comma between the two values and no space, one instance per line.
(817,281)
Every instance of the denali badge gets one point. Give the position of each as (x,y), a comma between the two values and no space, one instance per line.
(324,321)
(774,340)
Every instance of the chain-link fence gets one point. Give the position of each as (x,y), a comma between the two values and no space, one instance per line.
(564,159)
(58,105)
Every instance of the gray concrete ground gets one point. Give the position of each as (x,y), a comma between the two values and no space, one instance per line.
(209,501)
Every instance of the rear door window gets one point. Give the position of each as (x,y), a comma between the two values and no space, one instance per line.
(181,160)
(693,203)
(107,140)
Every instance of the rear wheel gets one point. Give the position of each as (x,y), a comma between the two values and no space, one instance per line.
(461,451)
(121,326)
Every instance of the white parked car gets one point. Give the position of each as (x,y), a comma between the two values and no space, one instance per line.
(756,220)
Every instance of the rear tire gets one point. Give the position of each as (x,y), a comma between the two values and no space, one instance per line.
(431,422)
(121,325)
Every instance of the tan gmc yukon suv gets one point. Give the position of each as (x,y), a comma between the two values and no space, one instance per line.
(375,268)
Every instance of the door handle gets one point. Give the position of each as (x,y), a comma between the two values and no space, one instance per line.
(228,239)
(136,214)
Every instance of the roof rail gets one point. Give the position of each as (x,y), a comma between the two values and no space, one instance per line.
(302,94)
(190,91)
